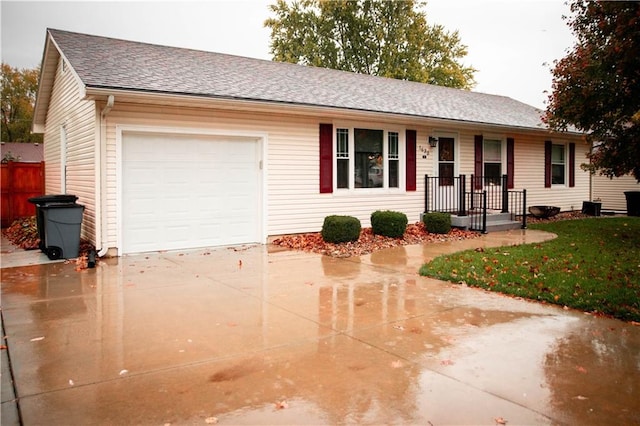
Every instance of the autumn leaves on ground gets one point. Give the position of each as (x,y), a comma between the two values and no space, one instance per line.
(593,265)
(368,242)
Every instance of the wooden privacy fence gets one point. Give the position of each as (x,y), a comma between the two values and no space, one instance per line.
(19,182)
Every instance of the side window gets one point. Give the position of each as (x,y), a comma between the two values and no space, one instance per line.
(492,156)
(394,160)
(63,159)
(342,156)
(558,165)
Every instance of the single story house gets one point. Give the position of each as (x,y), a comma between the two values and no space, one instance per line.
(172,148)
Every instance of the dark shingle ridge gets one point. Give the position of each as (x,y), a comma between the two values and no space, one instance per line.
(103,62)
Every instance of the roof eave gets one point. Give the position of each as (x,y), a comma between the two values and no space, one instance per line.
(303,109)
(48,65)
(50,58)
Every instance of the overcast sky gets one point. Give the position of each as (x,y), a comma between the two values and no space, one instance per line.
(512,43)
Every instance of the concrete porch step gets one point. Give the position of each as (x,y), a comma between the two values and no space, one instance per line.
(502,225)
(495,222)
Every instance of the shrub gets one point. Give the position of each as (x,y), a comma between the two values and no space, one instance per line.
(339,229)
(388,223)
(438,223)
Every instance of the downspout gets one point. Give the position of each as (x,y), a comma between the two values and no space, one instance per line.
(102,181)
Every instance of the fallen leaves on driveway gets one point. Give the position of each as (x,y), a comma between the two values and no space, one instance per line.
(368,242)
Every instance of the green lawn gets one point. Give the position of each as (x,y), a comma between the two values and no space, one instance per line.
(593,265)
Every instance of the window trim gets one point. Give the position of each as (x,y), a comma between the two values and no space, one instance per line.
(386,129)
(503,157)
(565,164)
(63,158)
(569,164)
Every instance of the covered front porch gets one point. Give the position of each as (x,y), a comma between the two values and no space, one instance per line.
(480,203)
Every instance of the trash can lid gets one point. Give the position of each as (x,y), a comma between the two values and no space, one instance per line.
(62,206)
(54,198)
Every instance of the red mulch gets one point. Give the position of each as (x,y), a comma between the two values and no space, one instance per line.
(368,242)
(576,214)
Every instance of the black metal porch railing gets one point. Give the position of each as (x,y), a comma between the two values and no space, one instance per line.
(445,194)
(485,193)
(496,189)
(478,214)
(518,206)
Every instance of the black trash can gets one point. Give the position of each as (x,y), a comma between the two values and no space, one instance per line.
(62,225)
(43,201)
(633,203)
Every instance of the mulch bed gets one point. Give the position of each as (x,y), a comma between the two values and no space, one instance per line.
(368,242)
(576,214)
(415,234)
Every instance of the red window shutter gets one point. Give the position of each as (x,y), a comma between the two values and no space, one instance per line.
(411,160)
(477,170)
(510,162)
(547,164)
(326,158)
(572,165)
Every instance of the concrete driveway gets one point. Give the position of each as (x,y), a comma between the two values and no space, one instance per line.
(253,335)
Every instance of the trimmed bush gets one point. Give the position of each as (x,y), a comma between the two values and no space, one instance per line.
(388,223)
(340,229)
(438,223)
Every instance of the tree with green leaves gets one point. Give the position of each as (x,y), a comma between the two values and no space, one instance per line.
(596,86)
(383,38)
(19,89)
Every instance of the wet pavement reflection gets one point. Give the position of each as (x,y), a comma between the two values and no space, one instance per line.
(246,335)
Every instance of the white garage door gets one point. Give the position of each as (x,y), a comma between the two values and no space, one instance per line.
(185,191)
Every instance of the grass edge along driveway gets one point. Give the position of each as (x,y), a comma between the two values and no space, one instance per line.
(593,265)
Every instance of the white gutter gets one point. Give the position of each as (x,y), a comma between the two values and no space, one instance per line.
(101,162)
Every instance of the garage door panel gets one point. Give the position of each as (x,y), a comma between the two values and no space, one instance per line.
(189,191)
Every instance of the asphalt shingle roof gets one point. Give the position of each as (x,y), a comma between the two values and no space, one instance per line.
(103,62)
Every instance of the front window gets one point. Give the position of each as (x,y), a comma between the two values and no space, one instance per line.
(492,161)
(367,158)
(557,165)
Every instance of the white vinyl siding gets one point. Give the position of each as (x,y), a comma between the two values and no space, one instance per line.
(610,192)
(529,175)
(78,118)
